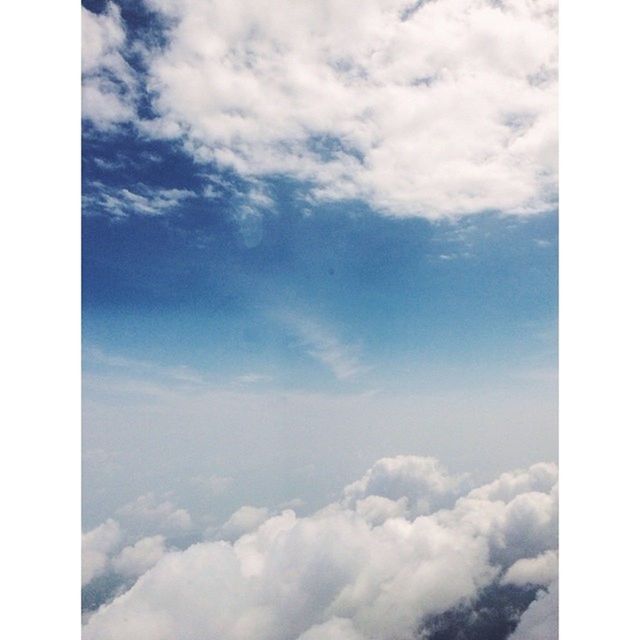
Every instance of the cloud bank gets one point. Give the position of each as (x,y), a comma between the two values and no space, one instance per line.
(428,109)
(374,565)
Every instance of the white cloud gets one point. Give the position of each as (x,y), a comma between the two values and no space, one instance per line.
(181,373)
(108,82)
(242,521)
(135,560)
(139,200)
(540,477)
(293,504)
(540,620)
(97,544)
(335,574)
(252,378)
(542,570)
(334,629)
(248,210)
(377,509)
(321,343)
(521,526)
(448,109)
(422,482)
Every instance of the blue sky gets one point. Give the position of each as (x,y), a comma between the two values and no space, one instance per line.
(330,299)
(319,291)
(409,299)
(332,275)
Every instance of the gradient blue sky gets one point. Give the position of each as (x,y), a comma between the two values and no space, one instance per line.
(409,301)
(238,325)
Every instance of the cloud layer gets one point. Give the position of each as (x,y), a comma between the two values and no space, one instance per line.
(343,574)
(430,109)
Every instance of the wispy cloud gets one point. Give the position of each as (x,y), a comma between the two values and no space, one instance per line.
(137,200)
(252,378)
(180,373)
(322,344)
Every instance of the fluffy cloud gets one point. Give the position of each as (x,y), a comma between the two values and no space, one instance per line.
(108,82)
(540,477)
(542,570)
(429,109)
(422,483)
(244,520)
(97,544)
(143,525)
(377,509)
(135,560)
(540,620)
(341,574)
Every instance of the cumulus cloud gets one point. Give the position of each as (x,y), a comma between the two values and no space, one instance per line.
(97,545)
(540,620)
(136,559)
(542,570)
(540,477)
(358,569)
(143,524)
(522,527)
(430,109)
(376,509)
(244,520)
(422,483)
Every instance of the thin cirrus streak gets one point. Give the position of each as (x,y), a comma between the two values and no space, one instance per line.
(322,344)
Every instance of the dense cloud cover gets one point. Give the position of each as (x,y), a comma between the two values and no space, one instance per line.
(418,108)
(402,547)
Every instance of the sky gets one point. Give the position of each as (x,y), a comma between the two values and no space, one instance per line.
(315,236)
